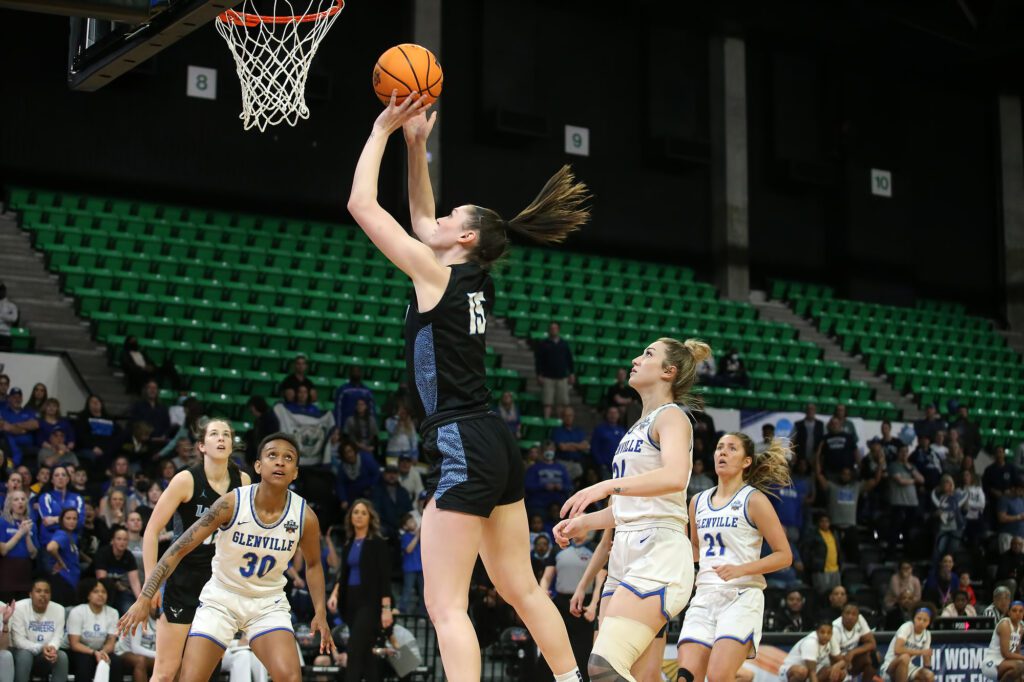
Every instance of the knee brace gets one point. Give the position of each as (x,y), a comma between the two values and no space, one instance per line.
(620,642)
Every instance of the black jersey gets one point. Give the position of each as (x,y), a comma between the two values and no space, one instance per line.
(445,349)
(203,497)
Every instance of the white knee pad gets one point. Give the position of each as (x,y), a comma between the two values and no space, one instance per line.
(620,642)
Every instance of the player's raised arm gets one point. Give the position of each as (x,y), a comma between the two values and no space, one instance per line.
(219,514)
(421,195)
(412,257)
(309,546)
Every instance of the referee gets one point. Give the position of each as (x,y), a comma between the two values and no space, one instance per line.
(566,570)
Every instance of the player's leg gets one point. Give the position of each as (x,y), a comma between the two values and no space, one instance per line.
(170,643)
(200,659)
(505,550)
(797,673)
(1011,671)
(923,675)
(727,657)
(450,542)
(648,666)
(862,665)
(276,651)
(630,625)
(693,657)
(898,668)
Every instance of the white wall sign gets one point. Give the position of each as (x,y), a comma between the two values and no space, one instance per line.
(577,140)
(881,182)
(202,82)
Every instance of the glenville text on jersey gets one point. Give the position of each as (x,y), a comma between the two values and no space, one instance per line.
(262,542)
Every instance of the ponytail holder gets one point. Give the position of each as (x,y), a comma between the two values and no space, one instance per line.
(925,609)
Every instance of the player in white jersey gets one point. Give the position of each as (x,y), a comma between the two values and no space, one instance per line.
(650,470)
(856,641)
(1003,659)
(909,656)
(815,658)
(260,528)
(722,626)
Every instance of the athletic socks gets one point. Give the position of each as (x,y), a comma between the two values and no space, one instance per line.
(573,675)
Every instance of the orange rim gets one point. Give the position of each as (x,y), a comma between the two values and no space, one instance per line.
(250,20)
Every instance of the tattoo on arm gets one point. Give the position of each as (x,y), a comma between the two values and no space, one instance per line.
(172,556)
(618,490)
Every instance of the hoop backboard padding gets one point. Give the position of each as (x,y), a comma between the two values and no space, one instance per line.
(128,11)
(101,51)
(273,45)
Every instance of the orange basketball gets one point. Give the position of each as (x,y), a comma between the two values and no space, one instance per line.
(407,68)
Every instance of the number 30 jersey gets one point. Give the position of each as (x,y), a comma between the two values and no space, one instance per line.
(637,454)
(727,536)
(252,556)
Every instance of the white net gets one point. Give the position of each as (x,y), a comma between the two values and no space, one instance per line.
(273,45)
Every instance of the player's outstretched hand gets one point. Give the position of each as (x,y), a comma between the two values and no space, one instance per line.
(319,624)
(578,503)
(136,615)
(394,115)
(417,129)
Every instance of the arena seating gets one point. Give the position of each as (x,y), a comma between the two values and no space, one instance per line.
(231,298)
(935,351)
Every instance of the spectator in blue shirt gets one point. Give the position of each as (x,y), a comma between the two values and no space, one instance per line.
(62,559)
(790,505)
(555,370)
(357,472)
(605,440)
(54,501)
(97,436)
(19,423)
(50,421)
(547,482)
(571,444)
(17,546)
(931,423)
(1010,514)
(392,501)
(347,395)
(412,568)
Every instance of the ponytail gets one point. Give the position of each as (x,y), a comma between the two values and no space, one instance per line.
(686,357)
(768,470)
(555,213)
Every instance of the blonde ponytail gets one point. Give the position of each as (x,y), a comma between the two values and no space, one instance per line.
(768,470)
(685,356)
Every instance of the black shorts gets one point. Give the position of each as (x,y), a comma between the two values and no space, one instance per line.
(181,594)
(476,465)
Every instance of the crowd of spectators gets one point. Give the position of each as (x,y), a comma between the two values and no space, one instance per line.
(880,521)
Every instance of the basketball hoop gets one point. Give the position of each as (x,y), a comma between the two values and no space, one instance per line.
(272,56)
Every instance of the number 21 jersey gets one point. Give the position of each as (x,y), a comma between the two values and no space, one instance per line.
(252,555)
(727,536)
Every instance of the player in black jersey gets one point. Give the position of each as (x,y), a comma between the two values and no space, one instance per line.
(189,495)
(477,486)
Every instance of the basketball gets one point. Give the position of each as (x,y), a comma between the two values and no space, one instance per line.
(407,68)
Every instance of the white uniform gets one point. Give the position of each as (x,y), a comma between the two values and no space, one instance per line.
(721,609)
(994,654)
(912,641)
(246,590)
(849,639)
(809,649)
(651,553)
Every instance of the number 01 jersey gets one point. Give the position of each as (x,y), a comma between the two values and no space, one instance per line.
(445,350)
(727,536)
(638,454)
(251,555)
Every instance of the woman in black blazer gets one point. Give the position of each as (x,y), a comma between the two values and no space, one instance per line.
(363,592)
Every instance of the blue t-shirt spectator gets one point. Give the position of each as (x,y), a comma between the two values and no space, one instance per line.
(354,554)
(68,550)
(604,441)
(46,428)
(52,503)
(8,529)
(351,483)
(572,434)
(156,414)
(553,358)
(928,464)
(22,442)
(1012,505)
(346,397)
(412,562)
(790,503)
(547,483)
